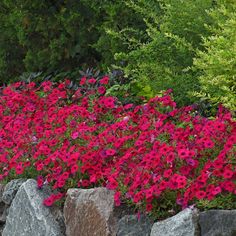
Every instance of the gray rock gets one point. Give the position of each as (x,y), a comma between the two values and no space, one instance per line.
(90,212)
(130,225)
(218,223)
(2,206)
(3,212)
(28,216)
(184,223)
(1,229)
(2,186)
(11,189)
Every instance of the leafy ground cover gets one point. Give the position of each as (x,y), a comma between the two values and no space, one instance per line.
(157,157)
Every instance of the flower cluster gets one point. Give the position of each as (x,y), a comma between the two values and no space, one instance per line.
(143,152)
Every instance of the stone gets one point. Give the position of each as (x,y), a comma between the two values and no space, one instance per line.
(2,206)
(90,212)
(130,225)
(2,186)
(28,216)
(7,194)
(218,223)
(3,212)
(11,189)
(184,223)
(3,209)
(1,229)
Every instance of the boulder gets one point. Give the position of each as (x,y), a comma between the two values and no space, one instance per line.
(3,209)
(1,229)
(184,223)
(7,194)
(130,225)
(2,186)
(90,212)
(3,212)
(11,189)
(28,216)
(2,206)
(218,222)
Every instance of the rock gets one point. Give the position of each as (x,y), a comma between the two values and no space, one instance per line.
(1,229)
(130,225)
(218,223)
(2,186)
(11,189)
(3,212)
(90,212)
(184,223)
(3,209)
(7,194)
(28,216)
(2,206)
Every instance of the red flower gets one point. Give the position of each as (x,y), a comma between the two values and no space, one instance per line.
(74,169)
(104,80)
(92,81)
(200,194)
(82,81)
(40,181)
(167,173)
(227,174)
(75,135)
(110,152)
(117,198)
(183,153)
(101,90)
(148,207)
(48,201)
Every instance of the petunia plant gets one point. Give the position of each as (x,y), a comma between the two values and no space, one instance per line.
(155,156)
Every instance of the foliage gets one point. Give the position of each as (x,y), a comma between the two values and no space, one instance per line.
(162,55)
(11,54)
(153,155)
(45,36)
(120,30)
(216,64)
(146,47)
(221,201)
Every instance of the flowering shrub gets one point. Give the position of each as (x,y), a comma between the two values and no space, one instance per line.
(148,154)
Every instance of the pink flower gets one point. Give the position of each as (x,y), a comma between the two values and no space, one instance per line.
(40,181)
(110,152)
(227,174)
(92,81)
(117,199)
(75,135)
(74,169)
(217,190)
(82,81)
(104,80)
(101,90)
(48,201)
(148,207)
(200,194)
(183,153)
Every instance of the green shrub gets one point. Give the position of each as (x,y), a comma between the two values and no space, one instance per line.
(120,30)
(11,54)
(216,64)
(154,42)
(162,57)
(45,36)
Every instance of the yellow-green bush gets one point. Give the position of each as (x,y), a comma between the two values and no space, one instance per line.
(217,63)
(164,58)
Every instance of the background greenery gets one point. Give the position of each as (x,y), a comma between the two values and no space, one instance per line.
(146,46)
